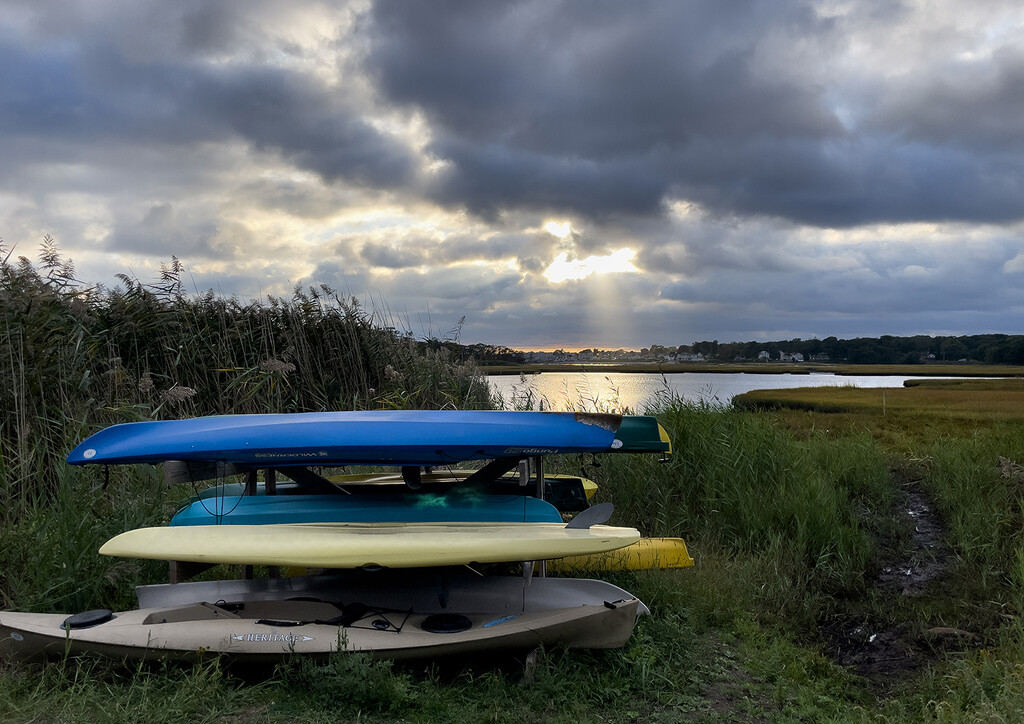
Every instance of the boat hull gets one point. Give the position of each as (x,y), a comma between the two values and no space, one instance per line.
(375,437)
(396,620)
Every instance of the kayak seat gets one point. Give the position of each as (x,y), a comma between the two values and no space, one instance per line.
(194,612)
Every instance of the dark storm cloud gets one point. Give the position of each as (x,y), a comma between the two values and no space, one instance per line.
(605,108)
(598,109)
(874,281)
(403,252)
(975,104)
(302,120)
(489,178)
(597,80)
(95,89)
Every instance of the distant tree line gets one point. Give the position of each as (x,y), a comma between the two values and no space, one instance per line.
(488,353)
(887,349)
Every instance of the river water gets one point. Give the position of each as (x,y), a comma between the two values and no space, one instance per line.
(613,391)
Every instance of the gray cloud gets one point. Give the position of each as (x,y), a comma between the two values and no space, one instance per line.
(783,169)
(106,89)
(598,111)
(392,256)
(878,282)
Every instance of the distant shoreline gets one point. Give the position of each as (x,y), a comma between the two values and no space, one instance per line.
(768,368)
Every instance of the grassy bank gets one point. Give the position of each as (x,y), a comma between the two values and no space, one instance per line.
(899,418)
(792,525)
(959,399)
(727,637)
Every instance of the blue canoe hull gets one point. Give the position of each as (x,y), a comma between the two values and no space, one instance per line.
(421,508)
(377,437)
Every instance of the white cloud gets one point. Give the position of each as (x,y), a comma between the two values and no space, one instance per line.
(1014,265)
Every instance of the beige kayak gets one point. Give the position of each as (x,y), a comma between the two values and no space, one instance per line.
(367,545)
(409,619)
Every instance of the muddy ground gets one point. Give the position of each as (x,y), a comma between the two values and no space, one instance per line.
(910,564)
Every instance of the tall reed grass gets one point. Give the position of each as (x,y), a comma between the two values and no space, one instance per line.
(978,487)
(77,358)
(739,484)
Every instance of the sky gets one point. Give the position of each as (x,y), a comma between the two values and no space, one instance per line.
(580,173)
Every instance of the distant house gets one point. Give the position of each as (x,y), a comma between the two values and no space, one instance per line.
(795,357)
(535,357)
(820,357)
(763,357)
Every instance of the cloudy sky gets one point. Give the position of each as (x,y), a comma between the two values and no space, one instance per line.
(574,174)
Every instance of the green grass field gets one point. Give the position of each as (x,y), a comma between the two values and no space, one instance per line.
(793,522)
(982,400)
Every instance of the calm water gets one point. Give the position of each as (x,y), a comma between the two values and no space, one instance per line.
(615,390)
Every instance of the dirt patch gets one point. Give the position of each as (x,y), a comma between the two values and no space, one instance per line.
(874,651)
(913,558)
(926,557)
(734,695)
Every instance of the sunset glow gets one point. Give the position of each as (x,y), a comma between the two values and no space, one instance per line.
(562,269)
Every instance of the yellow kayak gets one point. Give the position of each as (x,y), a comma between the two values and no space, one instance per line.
(645,554)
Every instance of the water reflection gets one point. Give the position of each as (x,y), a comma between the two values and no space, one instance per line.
(615,391)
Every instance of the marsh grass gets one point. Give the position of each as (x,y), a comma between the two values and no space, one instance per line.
(83,689)
(77,359)
(981,401)
(962,443)
(978,486)
(737,479)
(963,440)
(783,510)
(986,685)
(48,559)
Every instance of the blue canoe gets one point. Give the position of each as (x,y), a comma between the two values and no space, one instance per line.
(378,437)
(423,508)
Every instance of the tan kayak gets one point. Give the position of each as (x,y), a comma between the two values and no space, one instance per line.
(414,616)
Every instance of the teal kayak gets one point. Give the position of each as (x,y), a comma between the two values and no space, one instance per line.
(568,493)
(366,508)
